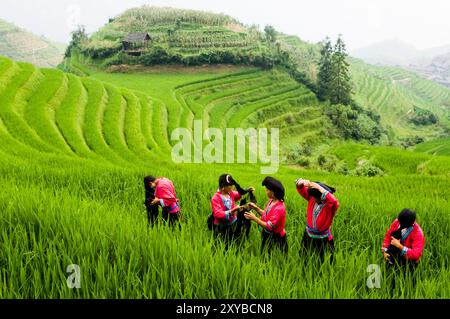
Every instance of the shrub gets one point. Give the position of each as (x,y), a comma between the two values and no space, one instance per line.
(101,49)
(365,168)
(303,161)
(411,141)
(423,117)
(352,122)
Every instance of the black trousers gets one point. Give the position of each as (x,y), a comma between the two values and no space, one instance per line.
(225,234)
(172,219)
(317,245)
(152,214)
(271,241)
(401,270)
(397,261)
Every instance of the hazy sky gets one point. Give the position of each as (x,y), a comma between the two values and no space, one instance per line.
(423,23)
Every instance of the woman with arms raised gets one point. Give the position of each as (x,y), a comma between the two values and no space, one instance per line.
(322,207)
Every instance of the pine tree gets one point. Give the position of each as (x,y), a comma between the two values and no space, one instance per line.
(341,85)
(325,70)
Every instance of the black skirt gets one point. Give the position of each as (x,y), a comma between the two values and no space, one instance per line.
(317,245)
(271,241)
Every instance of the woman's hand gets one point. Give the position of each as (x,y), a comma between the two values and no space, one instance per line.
(386,256)
(250,216)
(155,201)
(236,208)
(255,208)
(395,242)
(303,182)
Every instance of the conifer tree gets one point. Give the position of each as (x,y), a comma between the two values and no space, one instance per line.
(340,86)
(325,70)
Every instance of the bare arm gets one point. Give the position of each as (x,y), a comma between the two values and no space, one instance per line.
(318,187)
(256,208)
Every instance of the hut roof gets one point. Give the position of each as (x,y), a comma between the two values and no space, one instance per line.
(137,37)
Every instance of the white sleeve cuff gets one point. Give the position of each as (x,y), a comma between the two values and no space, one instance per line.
(162,203)
(404,251)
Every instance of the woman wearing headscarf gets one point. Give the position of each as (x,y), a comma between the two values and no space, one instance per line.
(165,196)
(404,241)
(273,217)
(322,207)
(224,208)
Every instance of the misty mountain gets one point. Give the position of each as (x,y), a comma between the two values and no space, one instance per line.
(433,63)
(391,52)
(22,45)
(437,70)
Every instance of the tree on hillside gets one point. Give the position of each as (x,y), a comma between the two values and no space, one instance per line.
(325,70)
(341,86)
(78,37)
(271,34)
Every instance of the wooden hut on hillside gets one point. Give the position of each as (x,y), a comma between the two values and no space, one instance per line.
(136,43)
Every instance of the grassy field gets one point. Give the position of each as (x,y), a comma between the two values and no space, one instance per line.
(437,147)
(74,152)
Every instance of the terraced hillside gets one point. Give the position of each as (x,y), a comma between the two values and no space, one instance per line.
(395,92)
(436,147)
(252,98)
(187,36)
(74,152)
(194,38)
(22,45)
(71,116)
(392,92)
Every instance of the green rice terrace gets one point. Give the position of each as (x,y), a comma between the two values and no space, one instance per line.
(391,92)
(74,151)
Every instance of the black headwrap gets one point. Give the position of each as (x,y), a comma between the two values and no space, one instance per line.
(406,218)
(149,191)
(317,194)
(228,180)
(275,186)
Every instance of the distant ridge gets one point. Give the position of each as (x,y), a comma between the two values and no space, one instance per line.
(22,45)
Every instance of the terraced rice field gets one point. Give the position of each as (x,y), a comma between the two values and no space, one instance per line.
(73,152)
(390,91)
(435,147)
(395,92)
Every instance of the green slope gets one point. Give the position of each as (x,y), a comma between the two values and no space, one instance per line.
(436,147)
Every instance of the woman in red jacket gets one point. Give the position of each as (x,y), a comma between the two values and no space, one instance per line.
(322,207)
(273,218)
(166,197)
(404,241)
(224,208)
